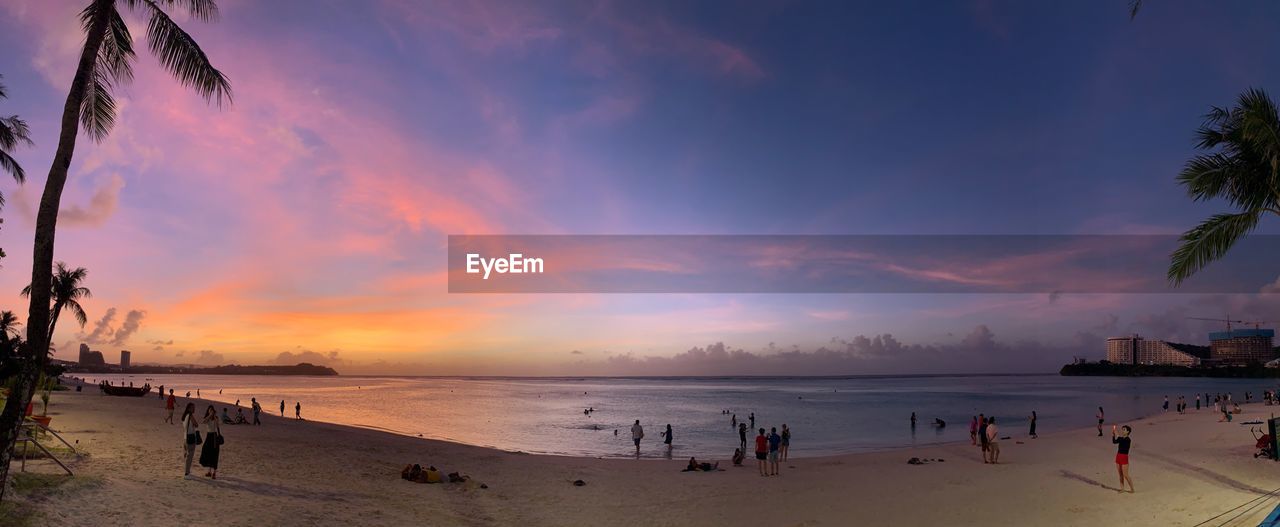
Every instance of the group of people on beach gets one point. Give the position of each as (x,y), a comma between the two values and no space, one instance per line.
(771,448)
(210,423)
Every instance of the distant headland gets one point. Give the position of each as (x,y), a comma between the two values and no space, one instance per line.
(229,369)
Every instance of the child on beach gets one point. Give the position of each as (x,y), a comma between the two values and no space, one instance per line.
(1123,442)
(667,437)
(1100,419)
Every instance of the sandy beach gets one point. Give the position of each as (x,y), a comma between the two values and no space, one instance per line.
(1187,469)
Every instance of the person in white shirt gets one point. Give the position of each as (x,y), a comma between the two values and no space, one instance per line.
(637,433)
(993,440)
(191,431)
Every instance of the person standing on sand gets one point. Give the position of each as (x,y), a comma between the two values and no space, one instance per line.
(1123,443)
(212,443)
(753,419)
(637,433)
(1033,424)
(762,453)
(993,440)
(1101,418)
(786,441)
(734,422)
(168,406)
(913,419)
(281,407)
(775,442)
(191,430)
(667,436)
(1166,404)
(982,437)
(742,435)
(297,411)
(1197,402)
(257,410)
(973,431)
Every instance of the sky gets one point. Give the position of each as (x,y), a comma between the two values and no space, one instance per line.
(308,220)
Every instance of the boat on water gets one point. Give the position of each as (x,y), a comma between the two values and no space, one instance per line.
(125,391)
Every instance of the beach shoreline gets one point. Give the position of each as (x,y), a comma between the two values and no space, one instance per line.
(1187,469)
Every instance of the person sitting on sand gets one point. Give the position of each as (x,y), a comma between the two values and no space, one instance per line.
(226,419)
(240,420)
(738,456)
(695,466)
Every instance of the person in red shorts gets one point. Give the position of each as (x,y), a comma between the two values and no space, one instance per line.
(1123,443)
(762,453)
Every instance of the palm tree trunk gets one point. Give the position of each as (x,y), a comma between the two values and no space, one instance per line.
(37,345)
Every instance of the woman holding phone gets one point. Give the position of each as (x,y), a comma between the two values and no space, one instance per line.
(1122,442)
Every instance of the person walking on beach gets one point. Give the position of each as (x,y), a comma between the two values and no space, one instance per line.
(212,443)
(168,406)
(734,422)
(297,411)
(973,431)
(753,419)
(1197,402)
(1123,442)
(667,436)
(257,410)
(1101,418)
(913,419)
(786,441)
(762,453)
(993,440)
(281,407)
(637,433)
(1033,424)
(1166,404)
(191,431)
(742,435)
(775,442)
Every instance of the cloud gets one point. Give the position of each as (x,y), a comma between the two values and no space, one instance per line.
(208,357)
(289,358)
(132,321)
(101,329)
(102,204)
(977,352)
(575,352)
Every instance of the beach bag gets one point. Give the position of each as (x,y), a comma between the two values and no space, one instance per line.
(193,439)
(220,439)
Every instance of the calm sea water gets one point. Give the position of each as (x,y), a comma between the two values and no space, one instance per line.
(827,416)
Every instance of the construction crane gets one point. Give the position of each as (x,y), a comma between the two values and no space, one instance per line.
(1257,324)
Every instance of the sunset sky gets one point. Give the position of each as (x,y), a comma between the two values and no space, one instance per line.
(309,219)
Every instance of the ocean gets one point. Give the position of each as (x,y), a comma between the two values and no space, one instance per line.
(827,415)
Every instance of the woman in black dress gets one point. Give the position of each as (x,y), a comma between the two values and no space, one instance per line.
(212,443)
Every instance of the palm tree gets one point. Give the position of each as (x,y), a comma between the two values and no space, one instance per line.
(9,338)
(1134,7)
(1243,168)
(106,62)
(13,132)
(67,293)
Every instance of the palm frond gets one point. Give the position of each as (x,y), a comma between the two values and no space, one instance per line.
(3,94)
(10,165)
(14,131)
(116,54)
(98,109)
(1209,241)
(1134,6)
(182,56)
(78,311)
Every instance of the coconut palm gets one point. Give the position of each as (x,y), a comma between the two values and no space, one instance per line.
(1134,7)
(13,132)
(106,63)
(67,292)
(1242,167)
